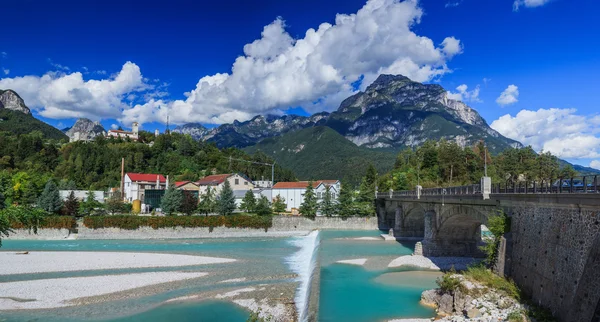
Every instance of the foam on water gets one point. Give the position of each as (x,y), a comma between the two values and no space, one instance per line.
(303,263)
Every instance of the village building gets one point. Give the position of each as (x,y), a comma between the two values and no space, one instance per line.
(136,184)
(186,185)
(216,182)
(293,192)
(134,134)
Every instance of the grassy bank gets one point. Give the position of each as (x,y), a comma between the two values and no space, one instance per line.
(132,222)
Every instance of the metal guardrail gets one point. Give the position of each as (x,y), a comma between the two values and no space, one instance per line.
(584,184)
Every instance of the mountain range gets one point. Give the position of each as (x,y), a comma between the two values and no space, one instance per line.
(393,112)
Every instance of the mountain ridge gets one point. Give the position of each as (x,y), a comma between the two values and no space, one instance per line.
(393,112)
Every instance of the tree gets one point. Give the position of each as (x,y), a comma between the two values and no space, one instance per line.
(207,203)
(226,200)
(567,172)
(263,207)
(371,176)
(27,217)
(114,204)
(365,192)
(71,205)
(279,205)
(2,201)
(171,201)
(249,202)
(89,204)
(50,198)
(328,205)
(345,201)
(309,206)
(189,203)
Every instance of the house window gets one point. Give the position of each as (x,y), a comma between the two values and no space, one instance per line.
(237,181)
(245,183)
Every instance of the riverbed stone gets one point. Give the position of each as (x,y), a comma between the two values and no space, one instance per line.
(446,304)
(473,313)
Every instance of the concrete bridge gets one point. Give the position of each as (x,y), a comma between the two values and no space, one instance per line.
(552,250)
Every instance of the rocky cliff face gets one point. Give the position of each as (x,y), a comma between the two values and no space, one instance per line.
(84,130)
(10,100)
(393,112)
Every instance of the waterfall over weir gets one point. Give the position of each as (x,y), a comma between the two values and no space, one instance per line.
(304,262)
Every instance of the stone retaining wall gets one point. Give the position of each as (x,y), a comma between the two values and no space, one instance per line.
(283,223)
(42,234)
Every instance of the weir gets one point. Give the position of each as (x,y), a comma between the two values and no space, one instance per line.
(304,262)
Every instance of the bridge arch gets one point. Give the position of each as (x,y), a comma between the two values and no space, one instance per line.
(455,231)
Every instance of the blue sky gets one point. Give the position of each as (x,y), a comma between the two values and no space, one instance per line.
(119,61)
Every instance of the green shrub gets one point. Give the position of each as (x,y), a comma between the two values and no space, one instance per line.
(449,283)
(130,222)
(486,277)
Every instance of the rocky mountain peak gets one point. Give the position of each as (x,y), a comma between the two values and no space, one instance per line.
(84,130)
(386,81)
(10,100)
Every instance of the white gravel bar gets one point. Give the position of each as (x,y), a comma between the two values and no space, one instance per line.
(358,261)
(43,262)
(433,263)
(57,292)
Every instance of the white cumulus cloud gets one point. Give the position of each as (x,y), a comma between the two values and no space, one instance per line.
(6,71)
(58,95)
(528,4)
(315,71)
(465,95)
(509,96)
(559,131)
(595,164)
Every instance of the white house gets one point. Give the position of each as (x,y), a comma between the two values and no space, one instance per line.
(293,192)
(135,184)
(216,181)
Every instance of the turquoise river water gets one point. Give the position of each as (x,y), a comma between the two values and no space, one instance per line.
(352,293)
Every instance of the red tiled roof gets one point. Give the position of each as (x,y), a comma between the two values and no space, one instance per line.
(215,179)
(181,183)
(295,185)
(146,177)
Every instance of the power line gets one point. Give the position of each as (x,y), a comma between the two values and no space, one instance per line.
(272,165)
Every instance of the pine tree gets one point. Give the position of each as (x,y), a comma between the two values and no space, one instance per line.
(309,206)
(345,201)
(207,202)
(249,202)
(226,200)
(89,204)
(171,201)
(50,198)
(279,205)
(328,205)
(365,194)
(71,205)
(263,207)
(371,176)
(114,204)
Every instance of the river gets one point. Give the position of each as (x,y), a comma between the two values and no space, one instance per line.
(369,292)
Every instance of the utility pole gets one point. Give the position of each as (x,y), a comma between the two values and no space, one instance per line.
(122,178)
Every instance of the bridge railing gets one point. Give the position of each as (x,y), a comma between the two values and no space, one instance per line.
(582,184)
